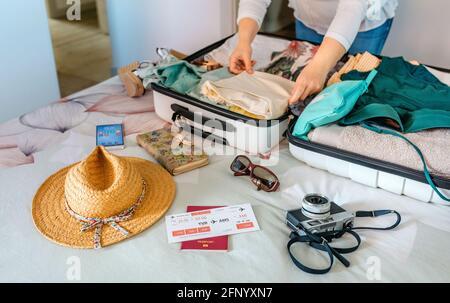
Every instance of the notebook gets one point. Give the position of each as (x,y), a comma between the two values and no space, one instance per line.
(175,158)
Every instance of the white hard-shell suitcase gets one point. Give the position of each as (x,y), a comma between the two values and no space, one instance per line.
(217,123)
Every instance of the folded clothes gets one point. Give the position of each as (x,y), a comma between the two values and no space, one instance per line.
(178,75)
(408,95)
(261,94)
(186,78)
(361,62)
(216,75)
(433,143)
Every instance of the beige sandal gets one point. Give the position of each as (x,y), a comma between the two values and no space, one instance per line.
(178,54)
(133,85)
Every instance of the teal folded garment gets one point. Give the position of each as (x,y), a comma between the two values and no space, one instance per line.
(175,74)
(407,94)
(331,105)
(215,75)
(180,77)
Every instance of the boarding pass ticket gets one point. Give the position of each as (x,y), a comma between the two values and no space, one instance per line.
(211,223)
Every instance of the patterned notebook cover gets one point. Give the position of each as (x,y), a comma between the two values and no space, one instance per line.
(176,159)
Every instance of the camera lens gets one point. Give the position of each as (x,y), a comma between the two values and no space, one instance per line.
(316,199)
(316,206)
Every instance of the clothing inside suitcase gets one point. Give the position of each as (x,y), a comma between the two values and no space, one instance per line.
(218,123)
(276,59)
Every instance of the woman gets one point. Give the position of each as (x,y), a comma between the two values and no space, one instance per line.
(339,26)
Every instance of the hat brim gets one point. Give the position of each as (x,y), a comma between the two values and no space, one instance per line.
(56,224)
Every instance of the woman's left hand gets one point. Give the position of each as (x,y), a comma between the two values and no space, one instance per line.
(310,81)
(312,78)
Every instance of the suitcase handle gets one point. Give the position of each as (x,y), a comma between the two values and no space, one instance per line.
(184,112)
(202,133)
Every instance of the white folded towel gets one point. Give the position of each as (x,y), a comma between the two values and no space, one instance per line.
(261,94)
(434,144)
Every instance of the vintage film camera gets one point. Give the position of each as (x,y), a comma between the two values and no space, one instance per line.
(319,215)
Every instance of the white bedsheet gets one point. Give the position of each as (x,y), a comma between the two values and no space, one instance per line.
(62,133)
(416,251)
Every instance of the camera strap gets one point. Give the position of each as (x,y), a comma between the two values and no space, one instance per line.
(321,241)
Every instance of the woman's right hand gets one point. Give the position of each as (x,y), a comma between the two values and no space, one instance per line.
(241,59)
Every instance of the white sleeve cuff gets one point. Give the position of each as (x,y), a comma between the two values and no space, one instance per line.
(253,9)
(347,21)
(340,38)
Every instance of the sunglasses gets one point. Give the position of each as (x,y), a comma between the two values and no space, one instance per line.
(262,177)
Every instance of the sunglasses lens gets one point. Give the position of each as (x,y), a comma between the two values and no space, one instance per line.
(264,178)
(240,164)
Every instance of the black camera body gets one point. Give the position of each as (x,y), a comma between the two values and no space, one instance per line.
(319,215)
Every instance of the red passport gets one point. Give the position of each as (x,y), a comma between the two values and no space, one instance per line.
(213,244)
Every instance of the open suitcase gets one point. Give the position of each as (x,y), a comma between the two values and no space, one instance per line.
(217,123)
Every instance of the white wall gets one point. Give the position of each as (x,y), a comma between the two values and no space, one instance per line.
(137,27)
(28,73)
(421,31)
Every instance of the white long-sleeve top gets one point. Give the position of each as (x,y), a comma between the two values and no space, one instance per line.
(338,19)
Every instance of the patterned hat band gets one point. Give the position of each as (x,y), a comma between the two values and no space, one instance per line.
(97,223)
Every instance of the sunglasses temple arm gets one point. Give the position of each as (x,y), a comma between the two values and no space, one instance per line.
(237,174)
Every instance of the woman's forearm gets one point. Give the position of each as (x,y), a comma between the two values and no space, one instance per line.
(329,53)
(241,58)
(248,28)
(312,78)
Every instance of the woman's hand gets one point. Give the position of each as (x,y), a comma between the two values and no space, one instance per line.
(310,81)
(241,59)
(312,78)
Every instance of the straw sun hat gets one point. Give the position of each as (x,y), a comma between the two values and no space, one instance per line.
(102,200)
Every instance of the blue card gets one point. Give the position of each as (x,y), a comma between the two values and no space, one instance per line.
(110,135)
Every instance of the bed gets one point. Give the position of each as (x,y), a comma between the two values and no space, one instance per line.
(35,145)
